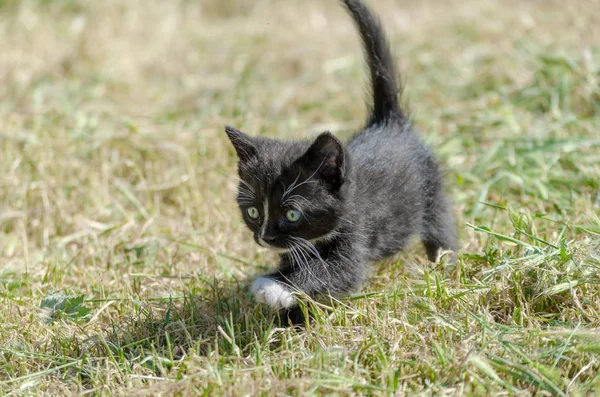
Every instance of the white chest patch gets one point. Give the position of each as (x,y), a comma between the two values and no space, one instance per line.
(272,293)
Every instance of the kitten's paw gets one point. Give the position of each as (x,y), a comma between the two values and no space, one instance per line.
(448,257)
(276,295)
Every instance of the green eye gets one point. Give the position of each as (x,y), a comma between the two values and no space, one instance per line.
(293,215)
(252,212)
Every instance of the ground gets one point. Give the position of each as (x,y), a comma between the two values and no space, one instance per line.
(125,267)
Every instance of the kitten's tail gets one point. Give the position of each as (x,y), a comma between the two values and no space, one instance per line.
(386,91)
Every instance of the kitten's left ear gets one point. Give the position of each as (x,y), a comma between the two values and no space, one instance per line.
(327,159)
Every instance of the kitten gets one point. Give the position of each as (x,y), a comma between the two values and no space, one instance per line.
(332,208)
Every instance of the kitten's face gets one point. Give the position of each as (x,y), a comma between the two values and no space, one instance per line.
(289,191)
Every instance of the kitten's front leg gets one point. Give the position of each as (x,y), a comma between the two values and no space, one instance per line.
(335,276)
(271,292)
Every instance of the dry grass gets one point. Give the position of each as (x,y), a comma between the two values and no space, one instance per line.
(117,186)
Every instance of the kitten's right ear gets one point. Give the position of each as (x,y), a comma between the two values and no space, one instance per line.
(243,144)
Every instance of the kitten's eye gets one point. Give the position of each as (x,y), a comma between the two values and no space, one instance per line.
(252,212)
(293,215)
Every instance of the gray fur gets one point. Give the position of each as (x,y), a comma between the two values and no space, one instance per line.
(360,202)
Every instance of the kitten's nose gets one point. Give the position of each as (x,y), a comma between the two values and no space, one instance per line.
(269,239)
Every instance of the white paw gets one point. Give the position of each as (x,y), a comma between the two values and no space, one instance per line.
(272,293)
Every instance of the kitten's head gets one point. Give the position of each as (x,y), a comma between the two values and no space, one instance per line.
(290,191)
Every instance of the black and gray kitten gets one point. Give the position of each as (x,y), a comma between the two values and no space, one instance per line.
(332,208)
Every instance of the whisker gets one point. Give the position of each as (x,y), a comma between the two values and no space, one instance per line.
(310,246)
(307,180)
(242,189)
(292,199)
(247,185)
(289,189)
(300,258)
(306,262)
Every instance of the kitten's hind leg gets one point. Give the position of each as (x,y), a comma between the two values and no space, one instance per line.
(439,230)
(435,251)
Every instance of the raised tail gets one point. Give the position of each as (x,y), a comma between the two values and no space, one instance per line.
(381,65)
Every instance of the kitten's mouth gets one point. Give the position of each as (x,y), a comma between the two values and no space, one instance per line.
(264,244)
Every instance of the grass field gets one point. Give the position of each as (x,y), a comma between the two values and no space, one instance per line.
(124,263)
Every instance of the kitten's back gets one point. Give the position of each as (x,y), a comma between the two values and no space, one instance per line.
(398,188)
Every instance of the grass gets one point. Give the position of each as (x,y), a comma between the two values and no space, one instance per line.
(124,263)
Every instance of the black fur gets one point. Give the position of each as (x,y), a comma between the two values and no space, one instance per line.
(360,202)
(386,91)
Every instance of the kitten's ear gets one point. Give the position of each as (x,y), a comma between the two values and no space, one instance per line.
(243,144)
(327,159)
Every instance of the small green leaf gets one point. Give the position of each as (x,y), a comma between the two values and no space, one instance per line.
(58,305)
